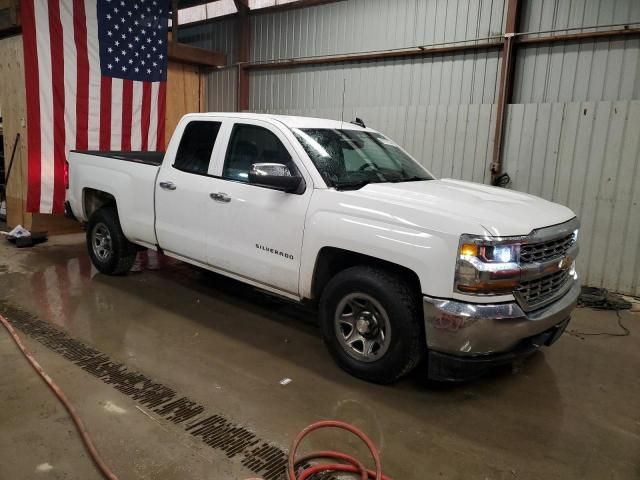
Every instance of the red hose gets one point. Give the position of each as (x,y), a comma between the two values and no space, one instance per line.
(95,456)
(352,465)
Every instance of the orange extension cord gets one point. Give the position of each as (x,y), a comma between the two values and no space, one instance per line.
(350,464)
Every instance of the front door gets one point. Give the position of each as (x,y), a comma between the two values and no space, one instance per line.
(256,232)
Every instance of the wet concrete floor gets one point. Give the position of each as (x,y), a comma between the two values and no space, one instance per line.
(571,412)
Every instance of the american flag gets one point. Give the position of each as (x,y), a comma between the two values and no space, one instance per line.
(95,73)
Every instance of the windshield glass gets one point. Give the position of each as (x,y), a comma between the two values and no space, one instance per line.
(353,158)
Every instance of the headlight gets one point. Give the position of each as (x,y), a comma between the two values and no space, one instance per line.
(487,267)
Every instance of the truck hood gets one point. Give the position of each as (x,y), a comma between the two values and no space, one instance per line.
(497,211)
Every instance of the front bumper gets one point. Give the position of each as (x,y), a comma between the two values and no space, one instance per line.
(465,333)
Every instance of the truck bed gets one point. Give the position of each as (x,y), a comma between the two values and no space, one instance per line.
(148,158)
(129,177)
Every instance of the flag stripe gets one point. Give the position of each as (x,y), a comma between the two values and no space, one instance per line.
(46,107)
(146,115)
(33,105)
(95,78)
(153,116)
(59,134)
(70,76)
(82,75)
(136,116)
(105,113)
(116,113)
(162,101)
(127,100)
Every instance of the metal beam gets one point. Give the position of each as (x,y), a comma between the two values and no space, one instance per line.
(496,42)
(174,21)
(378,55)
(568,37)
(242,6)
(181,52)
(293,6)
(505,86)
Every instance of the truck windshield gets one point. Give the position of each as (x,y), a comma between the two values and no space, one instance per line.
(351,159)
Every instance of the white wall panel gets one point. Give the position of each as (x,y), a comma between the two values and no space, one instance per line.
(543,15)
(221,90)
(606,69)
(585,155)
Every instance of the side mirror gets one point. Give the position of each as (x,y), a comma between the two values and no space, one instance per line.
(274,175)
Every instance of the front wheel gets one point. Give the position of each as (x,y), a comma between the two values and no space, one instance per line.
(109,249)
(371,323)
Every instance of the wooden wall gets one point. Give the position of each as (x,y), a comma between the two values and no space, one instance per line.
(184,94)
(12,104)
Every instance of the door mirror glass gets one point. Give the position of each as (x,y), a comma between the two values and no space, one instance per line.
(274,175)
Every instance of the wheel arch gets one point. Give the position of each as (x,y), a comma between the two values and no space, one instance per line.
(94,199)
(332,260)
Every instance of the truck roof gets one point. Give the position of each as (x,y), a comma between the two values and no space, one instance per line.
(291,121)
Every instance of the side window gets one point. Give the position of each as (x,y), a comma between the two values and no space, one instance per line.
(251,144)
(196,145)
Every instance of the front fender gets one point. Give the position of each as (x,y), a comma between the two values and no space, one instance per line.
(431,255)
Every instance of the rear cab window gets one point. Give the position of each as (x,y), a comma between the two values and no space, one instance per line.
(196,146)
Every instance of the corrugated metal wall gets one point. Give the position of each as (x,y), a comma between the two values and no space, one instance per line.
(572,131)
(365,25)
(218,35)
(585,155)
(221,90)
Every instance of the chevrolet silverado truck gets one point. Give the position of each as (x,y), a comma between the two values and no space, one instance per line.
(401,266)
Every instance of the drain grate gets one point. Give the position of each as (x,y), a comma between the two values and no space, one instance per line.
(220,433)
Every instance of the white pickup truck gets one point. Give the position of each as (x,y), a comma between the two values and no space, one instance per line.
(402,266)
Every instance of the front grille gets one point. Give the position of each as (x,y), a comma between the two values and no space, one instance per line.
(543,251)
(537,292)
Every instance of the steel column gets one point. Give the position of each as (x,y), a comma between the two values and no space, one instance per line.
(505,87)
(243,42)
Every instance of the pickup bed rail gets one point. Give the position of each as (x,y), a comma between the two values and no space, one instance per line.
(148,158)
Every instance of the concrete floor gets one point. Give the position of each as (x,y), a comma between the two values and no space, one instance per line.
(571,411)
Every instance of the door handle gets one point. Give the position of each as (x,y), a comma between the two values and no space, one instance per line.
(167,185)
(220,197)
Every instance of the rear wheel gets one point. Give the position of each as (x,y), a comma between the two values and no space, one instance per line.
(371,324)
(109,249)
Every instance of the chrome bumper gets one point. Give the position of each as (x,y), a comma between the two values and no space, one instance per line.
(467,329)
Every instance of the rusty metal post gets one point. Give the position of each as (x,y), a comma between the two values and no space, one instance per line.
(505,87)
(174,21)
(243,42)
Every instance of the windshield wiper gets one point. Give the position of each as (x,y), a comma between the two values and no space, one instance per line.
(351,185)
(410,179)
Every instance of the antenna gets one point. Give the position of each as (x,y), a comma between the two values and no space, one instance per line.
(344,89)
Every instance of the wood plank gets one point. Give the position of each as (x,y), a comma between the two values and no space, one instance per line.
(13,106)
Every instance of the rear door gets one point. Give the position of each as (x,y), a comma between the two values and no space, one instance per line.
(256,232)
(182,190)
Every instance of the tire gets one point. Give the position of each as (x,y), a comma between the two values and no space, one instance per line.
(109,249)
(365,301)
